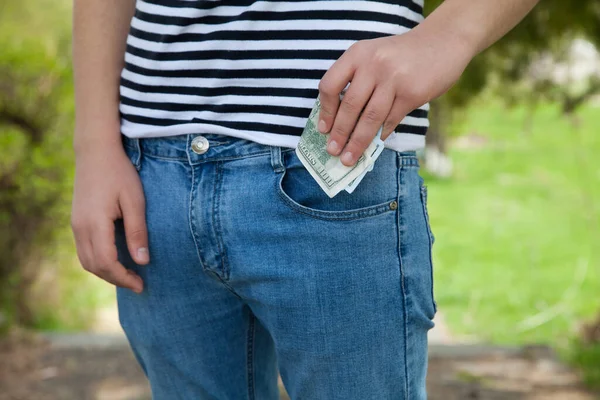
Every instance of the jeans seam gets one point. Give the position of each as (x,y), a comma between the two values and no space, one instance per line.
(250,357)
(224,283)
(221,159)
(192,217)
(133,151)
(197,162)
(138,159)
(163,158)
(217,221)
(402,282)
(424,195)
(277,159)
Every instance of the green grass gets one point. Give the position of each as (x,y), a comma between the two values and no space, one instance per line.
(517,251)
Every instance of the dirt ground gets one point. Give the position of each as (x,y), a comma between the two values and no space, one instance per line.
(31,369)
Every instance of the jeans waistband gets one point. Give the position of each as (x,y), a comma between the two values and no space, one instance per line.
(220,148)
(180,147)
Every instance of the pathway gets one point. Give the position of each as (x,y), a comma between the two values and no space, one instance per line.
(100,366)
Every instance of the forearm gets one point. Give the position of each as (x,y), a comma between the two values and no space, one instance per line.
(474,25)
(100,30)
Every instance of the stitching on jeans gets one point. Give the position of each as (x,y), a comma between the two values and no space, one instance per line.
(366,212)
(402,283)
(138,159)
(224,283)
(192,217)
(231,158)
(277,161)
(430,236)
(196,162)
(133,151)
(217,219)
(163,158)
(250,356)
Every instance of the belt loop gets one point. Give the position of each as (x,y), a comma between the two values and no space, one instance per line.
(136,157)
(138,149)
(188,147)
(276,159)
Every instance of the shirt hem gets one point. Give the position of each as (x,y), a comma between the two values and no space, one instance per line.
(397,141)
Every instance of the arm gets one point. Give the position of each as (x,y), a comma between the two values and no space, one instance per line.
(477,24)
(107,186)
(392,76)
(99,33)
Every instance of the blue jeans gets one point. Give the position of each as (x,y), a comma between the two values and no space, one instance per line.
(254,271)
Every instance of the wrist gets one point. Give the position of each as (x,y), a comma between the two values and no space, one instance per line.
(442,47)
(105,141)
(459,43)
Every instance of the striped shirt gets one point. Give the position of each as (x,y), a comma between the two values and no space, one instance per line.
(247,68)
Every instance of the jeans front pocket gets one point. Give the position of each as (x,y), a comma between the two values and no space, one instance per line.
(376,194)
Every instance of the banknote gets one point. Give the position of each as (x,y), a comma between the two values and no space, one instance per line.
(378,149)
(329,172)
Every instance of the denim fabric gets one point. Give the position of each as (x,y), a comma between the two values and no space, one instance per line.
(255,271)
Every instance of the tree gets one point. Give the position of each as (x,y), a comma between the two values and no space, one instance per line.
(548,30)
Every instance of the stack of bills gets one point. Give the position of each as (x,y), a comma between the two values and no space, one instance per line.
(329,172)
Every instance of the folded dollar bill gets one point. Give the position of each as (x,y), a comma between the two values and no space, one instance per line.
(327,170)
(379,146)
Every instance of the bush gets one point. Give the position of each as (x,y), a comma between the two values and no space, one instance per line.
(586,354)
(36,161)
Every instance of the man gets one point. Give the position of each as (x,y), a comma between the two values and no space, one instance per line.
(232,264)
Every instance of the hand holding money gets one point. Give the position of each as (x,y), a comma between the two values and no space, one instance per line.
(329,172)
(389,77)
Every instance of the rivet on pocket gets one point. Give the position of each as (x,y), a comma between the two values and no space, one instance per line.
(394,205)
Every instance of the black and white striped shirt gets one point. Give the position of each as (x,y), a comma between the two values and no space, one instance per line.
(246,68)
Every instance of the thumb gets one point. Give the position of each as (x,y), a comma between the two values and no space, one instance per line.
(133,208)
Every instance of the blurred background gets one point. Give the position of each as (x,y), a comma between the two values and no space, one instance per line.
(514,200)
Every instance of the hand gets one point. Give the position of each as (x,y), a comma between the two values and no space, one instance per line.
(107,187)
(391,76)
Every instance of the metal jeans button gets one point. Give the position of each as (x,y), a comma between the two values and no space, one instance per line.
(200,145)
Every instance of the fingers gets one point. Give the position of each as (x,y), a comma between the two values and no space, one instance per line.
(133,208)
(105,261)
(352,104)
(370,121)
(396,115)
(83,244)
(118,275)
(98,255)
(330,87)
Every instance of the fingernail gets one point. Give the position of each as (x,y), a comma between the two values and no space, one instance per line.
(143,255)
(347,158)
(140,286)
(333,147)
(322,126)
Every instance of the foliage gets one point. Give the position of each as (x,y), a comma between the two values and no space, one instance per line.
(585,353)
(36,163)
(587,359)
(506,66)
(545,30)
